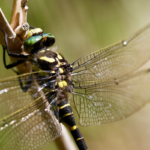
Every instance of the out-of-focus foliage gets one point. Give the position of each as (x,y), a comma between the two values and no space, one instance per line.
(81,27)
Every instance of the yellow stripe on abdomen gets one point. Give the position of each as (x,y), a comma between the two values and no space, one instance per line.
(61,107)
(73,128)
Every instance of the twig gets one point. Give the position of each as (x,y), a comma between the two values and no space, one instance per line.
(24,11)
(4,25)
(16,33)
(64,142)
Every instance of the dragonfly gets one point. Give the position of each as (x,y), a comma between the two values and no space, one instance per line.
(106,86)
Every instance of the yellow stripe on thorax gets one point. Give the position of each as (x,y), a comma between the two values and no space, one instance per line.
(59,56)
(42,51)
(51,60)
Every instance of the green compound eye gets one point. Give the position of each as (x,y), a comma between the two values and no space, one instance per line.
(30,42)
(36,42)
(49,39)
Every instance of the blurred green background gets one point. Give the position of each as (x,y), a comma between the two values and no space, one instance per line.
(81,27)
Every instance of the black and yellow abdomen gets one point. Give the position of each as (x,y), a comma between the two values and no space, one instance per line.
(66,116)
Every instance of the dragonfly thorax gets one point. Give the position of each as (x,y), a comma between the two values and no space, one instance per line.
(56,64)
(51,60)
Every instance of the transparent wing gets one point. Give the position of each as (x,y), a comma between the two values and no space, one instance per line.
(116,60)
(111,100)
(26,121)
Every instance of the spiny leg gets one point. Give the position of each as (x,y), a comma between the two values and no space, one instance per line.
(27,85)
(12,64)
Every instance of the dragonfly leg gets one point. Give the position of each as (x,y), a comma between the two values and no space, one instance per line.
(53,106)
(12,64)
(27,85)
(32,27)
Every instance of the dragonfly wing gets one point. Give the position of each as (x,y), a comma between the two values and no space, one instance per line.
(116,60)
(12,97)
(111,100)
(26,121)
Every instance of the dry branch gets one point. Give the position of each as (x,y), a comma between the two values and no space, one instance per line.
(16,33)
